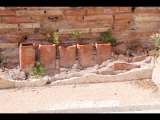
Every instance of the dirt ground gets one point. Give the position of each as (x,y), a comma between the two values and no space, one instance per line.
(24,100)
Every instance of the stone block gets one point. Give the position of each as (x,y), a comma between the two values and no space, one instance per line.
(121,49)
(27,56)
(124,66)
(67,55)
(103,52)
(156,73)
(86,55)
(5,83)
(48,55)
(139,58)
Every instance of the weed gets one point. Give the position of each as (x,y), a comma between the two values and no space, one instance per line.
(152,53)
(38,70)
(50,36)
(56,38)
(47,33)
(156,40)
(1,59)
(106,37)
(76,34)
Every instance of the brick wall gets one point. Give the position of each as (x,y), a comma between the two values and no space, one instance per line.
(26,24)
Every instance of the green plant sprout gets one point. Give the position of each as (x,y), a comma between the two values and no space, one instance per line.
(106,37)
(156,41)
(38,70)
(56,38)
(76,34)
(47,33)
(53,36)
(1,59)
(152,53)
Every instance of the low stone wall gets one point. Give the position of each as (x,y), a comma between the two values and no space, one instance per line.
(105,72)
(138,74)
(94,78)
(8,83)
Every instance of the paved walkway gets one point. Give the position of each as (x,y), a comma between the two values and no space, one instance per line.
(110,97)
(102,107)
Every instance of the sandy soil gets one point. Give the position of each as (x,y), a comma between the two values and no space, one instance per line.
(24,100)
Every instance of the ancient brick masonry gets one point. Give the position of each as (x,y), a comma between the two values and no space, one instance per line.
(27,24)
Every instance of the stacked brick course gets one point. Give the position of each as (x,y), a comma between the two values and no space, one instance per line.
(27,24)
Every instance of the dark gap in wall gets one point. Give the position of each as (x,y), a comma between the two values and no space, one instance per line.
(36,30)
(114,17)
(25,37)
(113,23)
(83,17)
(53,18)
(37,56)
(19,44)
(57,53)
(44,11)
(132,9)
